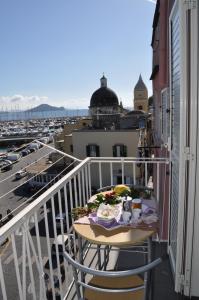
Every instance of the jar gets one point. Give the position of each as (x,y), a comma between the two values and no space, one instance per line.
(136,203)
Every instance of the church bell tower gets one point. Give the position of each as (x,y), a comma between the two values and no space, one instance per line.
(140,96)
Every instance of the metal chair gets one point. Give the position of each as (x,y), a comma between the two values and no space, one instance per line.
(108,285)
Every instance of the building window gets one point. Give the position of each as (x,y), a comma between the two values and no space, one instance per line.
(92,150)
(142,123)
(140,107)
(119,151)
(71,148)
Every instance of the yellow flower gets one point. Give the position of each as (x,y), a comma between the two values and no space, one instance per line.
(121,188)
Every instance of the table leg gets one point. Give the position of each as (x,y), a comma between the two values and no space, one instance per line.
(150,257)
(99,257)
(147,275)
(81,256)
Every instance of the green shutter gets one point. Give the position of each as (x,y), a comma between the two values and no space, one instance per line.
(97,151)
(114,151)
(124,151)
(87,150)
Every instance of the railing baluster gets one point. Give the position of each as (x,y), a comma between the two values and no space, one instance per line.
(79,189)
(3,287)
(67,223)
(89,179)
(56,241)
(146,173)
(158,182)
(111,172)
(83,186)
(75,191)
(86,177)
(134,174)
(33,291)
(16,266)
(71,196)
(67,220)
(100,174)
(122,163)
(49,251)
(42,287)
(24,265)
(66,207)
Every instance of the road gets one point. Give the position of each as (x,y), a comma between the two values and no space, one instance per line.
(11,200)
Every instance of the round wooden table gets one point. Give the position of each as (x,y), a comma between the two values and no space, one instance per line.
(119,237)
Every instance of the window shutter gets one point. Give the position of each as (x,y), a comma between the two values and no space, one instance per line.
(97,150)
(87,150)
(124,151)
(175,129)
(114,151)
(165,120)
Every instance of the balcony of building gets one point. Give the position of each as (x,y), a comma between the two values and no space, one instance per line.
(31,266)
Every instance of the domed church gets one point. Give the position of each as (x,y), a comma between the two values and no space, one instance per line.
(104,107)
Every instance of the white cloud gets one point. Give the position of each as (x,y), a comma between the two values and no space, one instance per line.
(152,1)
(21,101)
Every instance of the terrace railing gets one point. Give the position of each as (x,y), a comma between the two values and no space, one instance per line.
(30,268)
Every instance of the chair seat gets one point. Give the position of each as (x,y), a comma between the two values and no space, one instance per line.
(120,282)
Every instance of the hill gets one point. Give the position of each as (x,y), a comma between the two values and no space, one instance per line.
(45,107)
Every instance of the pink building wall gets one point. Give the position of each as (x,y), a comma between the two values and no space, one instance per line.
(160,80)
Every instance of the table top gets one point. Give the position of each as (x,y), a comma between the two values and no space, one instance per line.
(121,236)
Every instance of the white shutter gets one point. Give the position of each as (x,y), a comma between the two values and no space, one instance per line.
(175,128)
(165,118)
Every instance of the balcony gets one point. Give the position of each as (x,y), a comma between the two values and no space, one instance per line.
(30,264)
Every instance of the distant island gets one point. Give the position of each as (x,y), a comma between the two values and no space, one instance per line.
(45,107)
(43,111)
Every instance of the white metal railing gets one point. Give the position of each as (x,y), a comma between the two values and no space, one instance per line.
(26,259)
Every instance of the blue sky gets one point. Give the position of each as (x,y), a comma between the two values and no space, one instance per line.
(55,51)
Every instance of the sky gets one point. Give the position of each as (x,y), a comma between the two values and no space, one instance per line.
(55,51)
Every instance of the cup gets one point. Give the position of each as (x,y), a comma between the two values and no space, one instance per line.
(136,213)
(126,215)
(136,203)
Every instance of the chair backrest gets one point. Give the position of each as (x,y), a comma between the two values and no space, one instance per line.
(79,280)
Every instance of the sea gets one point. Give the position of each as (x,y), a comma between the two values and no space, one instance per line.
(27,115)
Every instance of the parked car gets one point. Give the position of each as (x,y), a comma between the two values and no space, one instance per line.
(20,174)
(14,157)
(60,218)
(6,165)
(33,147)
(25,152)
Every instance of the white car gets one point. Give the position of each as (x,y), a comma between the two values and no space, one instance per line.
(20,174)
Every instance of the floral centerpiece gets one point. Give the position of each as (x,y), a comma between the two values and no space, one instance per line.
(112,197)
(106,198)
(122,190)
